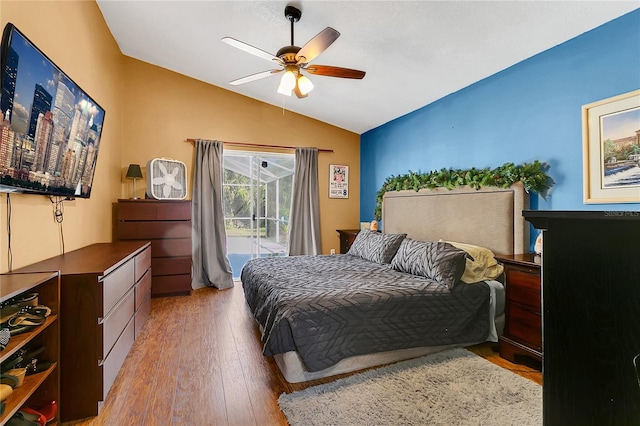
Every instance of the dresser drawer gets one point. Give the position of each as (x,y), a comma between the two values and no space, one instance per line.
(171,248)
(116,321)
(143,289)
(171,265)
(153,230)
(142,263)
(142,313)
(110,366)
(115,285)
(154,210)
(524,326)
(171,284)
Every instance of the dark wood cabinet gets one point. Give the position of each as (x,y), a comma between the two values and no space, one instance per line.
(347,237)
(167,224)
(104,301)
(522,334)
(38,389)
(591,316)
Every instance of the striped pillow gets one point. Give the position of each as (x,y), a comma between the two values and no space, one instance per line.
(436,260)
(376,247)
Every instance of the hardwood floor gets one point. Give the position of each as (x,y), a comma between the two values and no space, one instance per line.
(198,361)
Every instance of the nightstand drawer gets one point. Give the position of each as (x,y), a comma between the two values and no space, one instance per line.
(524,326)
(525,279)
(524,296)
(523,321)
(347,237)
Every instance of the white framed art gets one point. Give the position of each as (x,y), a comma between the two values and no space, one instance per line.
(611,149)
(338,181)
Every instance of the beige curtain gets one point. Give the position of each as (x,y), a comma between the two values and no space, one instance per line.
(211,266)
(304,226)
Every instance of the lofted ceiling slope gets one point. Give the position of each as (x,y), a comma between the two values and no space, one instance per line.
(414,52)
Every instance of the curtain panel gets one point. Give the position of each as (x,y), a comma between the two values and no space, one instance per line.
(211,265)
(304,226)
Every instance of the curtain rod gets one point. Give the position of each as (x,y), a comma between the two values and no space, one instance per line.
(190,140)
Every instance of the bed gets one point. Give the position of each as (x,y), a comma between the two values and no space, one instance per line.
(383,302)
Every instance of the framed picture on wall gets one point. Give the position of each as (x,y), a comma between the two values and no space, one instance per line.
(338,181)
(611,149)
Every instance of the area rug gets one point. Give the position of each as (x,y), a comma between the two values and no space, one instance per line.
(454,387)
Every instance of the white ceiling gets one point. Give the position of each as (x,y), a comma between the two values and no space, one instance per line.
(414,52)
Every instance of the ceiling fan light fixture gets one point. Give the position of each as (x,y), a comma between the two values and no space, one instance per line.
(304,84)
(293,59)
(287,83)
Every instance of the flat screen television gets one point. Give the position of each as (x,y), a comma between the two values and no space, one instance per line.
(50,128)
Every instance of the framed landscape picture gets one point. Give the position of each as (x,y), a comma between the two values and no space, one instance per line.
(611,149)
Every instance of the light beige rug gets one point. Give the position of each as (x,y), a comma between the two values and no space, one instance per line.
(454,387)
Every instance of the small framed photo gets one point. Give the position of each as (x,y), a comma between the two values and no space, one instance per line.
(611,149)
(338,181)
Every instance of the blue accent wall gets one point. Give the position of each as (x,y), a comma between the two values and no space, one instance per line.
(530,111)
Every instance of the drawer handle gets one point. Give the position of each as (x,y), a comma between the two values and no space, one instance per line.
(101,320)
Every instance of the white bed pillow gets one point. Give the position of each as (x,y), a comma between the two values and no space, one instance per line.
(481,264)
(375,246)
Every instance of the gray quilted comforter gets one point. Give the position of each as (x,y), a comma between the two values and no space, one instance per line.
(328,308)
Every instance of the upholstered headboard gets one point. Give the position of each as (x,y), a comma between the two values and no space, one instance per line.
(488,217)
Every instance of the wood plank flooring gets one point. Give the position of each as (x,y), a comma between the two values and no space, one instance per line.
(198,361)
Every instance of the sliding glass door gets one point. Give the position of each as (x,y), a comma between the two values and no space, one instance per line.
(256,201)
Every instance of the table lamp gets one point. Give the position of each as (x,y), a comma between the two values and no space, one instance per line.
(134,172)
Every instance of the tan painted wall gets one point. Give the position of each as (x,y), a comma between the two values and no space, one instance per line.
(75,37)
(149,113)
(163,109)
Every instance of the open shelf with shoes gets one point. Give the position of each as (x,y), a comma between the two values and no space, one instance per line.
(41,388)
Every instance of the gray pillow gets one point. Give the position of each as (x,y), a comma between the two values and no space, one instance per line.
(436,260)
(375,246)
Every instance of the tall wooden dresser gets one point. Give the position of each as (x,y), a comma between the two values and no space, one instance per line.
(104,301)
(590,316)
(167,224)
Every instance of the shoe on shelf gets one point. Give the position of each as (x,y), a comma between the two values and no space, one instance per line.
(49,411)
(22,418)
(27,318)
(18,374)
(33,415)
(5,336)
(5,391)
(13,306)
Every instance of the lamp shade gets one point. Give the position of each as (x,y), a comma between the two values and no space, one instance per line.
(304,84)
(134,171)
(287,83)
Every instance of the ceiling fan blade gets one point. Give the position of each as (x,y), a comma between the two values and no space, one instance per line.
(254,77)
(250,49)
(330,71)
(317,45)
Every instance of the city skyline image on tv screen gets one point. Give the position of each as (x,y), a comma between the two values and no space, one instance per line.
(50,129)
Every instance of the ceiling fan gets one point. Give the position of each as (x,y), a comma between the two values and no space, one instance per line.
(293,60)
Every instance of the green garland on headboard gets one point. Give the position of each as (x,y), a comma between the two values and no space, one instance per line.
(533,176)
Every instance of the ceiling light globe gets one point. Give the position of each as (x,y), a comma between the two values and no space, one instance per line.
(305,85)
(287,83)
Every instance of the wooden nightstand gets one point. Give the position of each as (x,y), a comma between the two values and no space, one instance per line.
(523,320)
(347,237)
